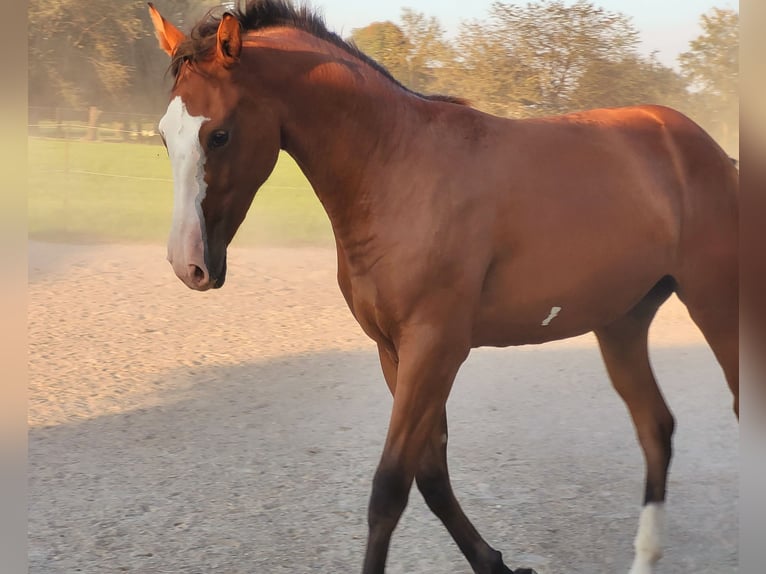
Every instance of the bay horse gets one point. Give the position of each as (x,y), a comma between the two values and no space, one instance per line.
(456,229)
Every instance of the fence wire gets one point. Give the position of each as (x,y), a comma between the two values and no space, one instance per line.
(81,128)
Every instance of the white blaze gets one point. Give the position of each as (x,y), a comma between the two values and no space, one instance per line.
(648,541)
(186,245)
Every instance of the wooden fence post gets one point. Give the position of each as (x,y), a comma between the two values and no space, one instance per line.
(93,113)
(59,122)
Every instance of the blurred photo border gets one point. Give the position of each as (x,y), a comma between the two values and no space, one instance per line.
(753,286)
(13,298)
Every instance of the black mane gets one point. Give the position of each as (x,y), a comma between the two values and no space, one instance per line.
(262,14)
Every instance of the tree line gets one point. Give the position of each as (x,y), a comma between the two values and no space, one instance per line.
(543,57)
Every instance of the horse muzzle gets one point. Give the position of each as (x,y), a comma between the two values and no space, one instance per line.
(197,275)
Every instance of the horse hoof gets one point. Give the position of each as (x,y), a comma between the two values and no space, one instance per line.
(524,571)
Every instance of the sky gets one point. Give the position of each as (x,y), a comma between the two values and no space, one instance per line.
(666,26)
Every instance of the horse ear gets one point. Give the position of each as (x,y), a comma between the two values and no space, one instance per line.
(229,43)
(168,35)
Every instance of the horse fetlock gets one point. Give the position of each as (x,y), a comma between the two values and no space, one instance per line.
(642,565)
(491,562)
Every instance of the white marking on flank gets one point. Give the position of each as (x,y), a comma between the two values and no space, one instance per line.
(187,234)
(648,542)
(551,316)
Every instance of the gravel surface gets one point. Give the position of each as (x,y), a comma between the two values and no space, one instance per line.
(237,431)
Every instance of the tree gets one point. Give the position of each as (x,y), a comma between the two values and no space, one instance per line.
(492,77)
(76,49)
(386,43)
(415,52)
(529,60)
(558,43)
(631,81)
(98,53)
(712,67)
(429,52)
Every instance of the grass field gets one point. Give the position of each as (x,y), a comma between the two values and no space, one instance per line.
(122,192)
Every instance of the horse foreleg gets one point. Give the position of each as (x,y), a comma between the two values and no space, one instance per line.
(624,348)
(424,376)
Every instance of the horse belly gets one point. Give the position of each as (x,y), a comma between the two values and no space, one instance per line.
(527,301)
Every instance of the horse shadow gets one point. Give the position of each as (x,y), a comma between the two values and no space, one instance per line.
(267,467)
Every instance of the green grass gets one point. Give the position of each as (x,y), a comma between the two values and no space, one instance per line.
(127,194)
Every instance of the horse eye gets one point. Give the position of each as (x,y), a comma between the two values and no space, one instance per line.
(218,138)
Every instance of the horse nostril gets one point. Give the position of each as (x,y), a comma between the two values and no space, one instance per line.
(197,274)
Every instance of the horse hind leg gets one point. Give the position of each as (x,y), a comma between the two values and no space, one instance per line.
(432,479)
(624,348)
(711,295)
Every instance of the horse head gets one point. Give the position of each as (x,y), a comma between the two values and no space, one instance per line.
(222,142)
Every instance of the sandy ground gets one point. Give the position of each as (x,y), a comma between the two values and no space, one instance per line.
(237,431)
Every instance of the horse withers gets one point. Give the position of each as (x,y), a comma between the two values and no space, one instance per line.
(456,229)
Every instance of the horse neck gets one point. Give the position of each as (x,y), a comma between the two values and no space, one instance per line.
(344,124)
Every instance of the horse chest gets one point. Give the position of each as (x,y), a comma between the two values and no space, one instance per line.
(360,296)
